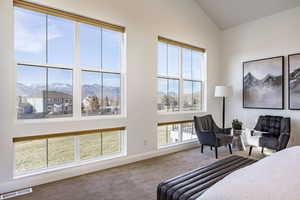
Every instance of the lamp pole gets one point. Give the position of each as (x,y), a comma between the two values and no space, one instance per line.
(223,91)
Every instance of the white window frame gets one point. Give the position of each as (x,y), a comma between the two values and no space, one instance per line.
(76,83)
(180,135)
(77,161)
(181,80)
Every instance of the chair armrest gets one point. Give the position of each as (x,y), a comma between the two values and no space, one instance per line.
(283,141)
(226,131)
(224,139)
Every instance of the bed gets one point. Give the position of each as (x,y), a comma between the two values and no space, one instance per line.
(191,185)
(276,177)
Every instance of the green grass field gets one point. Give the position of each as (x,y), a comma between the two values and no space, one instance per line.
(32,155)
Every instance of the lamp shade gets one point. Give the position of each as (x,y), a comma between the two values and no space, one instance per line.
(223,91)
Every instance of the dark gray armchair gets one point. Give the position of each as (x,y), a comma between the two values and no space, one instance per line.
(277,134)
(209,134)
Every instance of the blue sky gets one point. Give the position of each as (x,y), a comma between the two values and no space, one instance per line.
(91,78)
(30,46)
(169,61)
(25,75)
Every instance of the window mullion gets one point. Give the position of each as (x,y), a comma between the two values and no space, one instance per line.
(123,97)
(47,39)
(101,136)
(192,80)
(181,80)
(101,74)
(47,153)
(180,133)
(46,94)
(77,148)
(77,75)
(168,100)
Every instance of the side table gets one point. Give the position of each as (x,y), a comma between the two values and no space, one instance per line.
(237,141)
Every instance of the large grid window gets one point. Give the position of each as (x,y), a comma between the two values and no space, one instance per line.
(175,133)
(41,154)
(42,44)
(50,51)
(179,74)
(101,70)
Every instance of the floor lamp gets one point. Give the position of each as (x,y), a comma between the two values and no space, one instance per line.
(223,91)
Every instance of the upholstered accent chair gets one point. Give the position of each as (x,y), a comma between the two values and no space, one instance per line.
(209,134)
(277,132)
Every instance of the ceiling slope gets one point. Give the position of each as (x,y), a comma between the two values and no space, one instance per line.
(230,13)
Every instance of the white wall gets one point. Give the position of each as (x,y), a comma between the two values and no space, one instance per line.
(144,20)
(276,35)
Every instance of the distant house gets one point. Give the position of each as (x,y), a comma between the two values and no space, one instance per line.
(51,102)
(91,104)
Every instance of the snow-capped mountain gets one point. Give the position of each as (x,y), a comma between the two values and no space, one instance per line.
(95,89)
(295,80)
(268,81)
(87,90)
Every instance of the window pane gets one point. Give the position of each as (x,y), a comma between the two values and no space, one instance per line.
(60,150)
(111,99)
(162,59)
(187,95)
(31,92)
(197,62)
(168,134)
(194,135)
(111,142)
(90,146)
(30,155)
(162,101)
(111,50)
(187,63)
(61,45)
(162,135)
(173,94)
(60,97)
(187,131)
(173,134)
(90,46)
(91,93)
(173,60)
(30,36)
(197,97)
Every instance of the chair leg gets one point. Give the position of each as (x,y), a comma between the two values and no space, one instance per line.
(262,150)
(216,152)
(250,150)
(211,148)
(202,148)
(230,149)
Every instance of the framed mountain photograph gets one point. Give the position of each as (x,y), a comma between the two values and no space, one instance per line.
(263,83)
(294,81)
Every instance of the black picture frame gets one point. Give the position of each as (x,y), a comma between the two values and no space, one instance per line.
(290,107)
(281,107)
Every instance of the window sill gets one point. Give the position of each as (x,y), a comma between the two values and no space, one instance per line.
(66,166)
(181,112)
(68,119)
(176,144)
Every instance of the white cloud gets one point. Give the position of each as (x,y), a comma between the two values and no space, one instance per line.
(30,33)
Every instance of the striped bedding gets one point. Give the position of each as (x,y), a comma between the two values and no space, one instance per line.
(192,185)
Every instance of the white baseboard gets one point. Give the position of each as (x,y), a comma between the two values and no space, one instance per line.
(61,174)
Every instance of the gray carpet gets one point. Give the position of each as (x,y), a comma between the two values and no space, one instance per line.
(136,181)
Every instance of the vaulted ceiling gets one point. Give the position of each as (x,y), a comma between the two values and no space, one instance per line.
(230,13)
